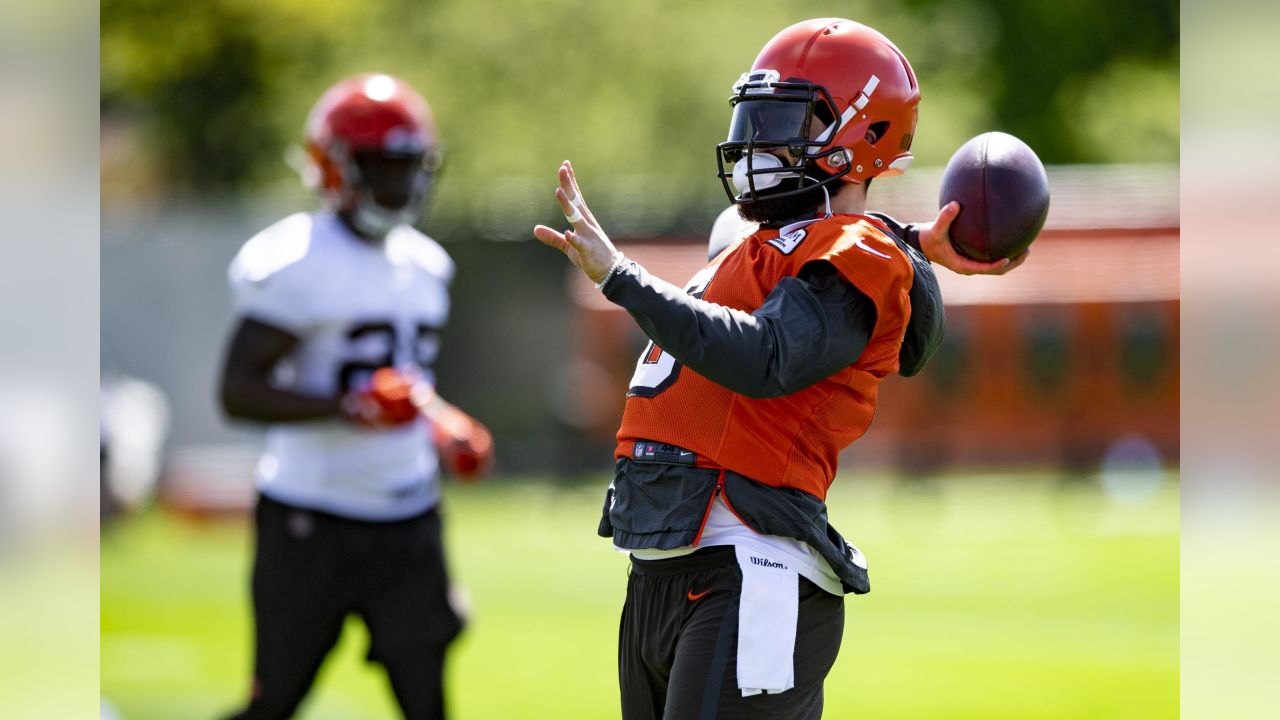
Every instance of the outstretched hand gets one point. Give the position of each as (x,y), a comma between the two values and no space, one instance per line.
(935,243)
(585,244)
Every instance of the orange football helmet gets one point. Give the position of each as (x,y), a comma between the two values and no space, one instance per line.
(372,147)
(836,95)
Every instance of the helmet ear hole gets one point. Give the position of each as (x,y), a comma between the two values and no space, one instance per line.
(876,131)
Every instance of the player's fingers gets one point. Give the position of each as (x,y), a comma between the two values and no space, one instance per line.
(969,266)
(552,237)
(946,215)
(1015,262)
(569,181)
(573,239)
(572,213)
(565,176)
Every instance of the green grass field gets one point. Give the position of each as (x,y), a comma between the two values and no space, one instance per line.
(993,597)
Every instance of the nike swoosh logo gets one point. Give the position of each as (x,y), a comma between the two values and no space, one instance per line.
(696,597)
(863,244)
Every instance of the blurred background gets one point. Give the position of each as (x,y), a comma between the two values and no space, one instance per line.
(1024,555)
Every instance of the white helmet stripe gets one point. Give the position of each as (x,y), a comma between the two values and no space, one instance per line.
(865,96)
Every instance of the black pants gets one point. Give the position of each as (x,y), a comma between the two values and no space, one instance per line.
(678,643)
(312,569)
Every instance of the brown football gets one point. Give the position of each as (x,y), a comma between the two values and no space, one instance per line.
(1003,193)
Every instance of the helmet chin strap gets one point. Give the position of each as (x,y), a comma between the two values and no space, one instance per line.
(826,201)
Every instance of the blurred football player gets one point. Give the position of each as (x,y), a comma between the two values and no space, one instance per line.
(760,370)
(340,313)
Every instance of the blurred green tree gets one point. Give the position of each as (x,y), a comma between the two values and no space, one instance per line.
(635,93)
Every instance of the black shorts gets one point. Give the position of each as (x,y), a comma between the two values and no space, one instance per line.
(312,569)
(678,641)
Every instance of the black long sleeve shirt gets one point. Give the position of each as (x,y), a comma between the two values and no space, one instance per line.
(809,327)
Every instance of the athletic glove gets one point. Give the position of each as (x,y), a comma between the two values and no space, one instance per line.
(386,401)
(465,445)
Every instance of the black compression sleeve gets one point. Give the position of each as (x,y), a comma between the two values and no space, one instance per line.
(907,232)
(809,327)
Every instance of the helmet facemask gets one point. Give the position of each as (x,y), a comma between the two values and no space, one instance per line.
(768,115)
(386,189)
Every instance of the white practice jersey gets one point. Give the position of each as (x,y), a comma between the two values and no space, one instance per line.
(356,307)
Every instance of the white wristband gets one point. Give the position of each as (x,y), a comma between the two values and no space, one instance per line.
(618,260)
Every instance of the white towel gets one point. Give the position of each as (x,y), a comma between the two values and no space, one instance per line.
(766,624)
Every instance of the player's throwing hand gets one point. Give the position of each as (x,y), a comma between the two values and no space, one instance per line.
(586,243)
(935,242)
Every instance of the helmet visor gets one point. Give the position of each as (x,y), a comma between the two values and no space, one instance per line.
(770,122)
(395,180)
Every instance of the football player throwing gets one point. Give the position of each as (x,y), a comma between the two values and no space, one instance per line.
(759,372)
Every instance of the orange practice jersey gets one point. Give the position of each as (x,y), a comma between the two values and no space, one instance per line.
(791,441)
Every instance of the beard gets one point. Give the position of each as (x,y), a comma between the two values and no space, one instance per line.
(777,210)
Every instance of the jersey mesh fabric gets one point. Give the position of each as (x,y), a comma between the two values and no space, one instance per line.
(790,441)
(354,306)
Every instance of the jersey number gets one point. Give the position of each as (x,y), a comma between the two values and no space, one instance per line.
(379,343)
(656,370)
